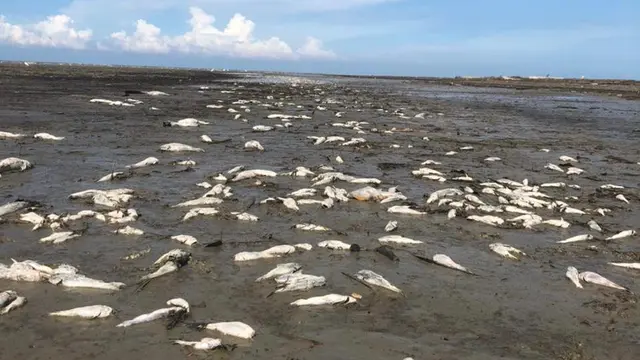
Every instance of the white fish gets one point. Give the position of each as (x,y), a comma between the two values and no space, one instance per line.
(128,230)
(8,135)
(397,239)
(156,93)
(298,282)
(391,225)
(611,187)
(487,219)
(621,235)
(446,261)
(594,226)
(248,174)
(492,159)
(204,343)
(565,158)
(572,274)
(206,139)
(86,312)
(177,147)
(450,153)
(339,160)
(243,216)
(304,246)
(311,227)
(205,185)
(202,201)
(574,171)
(111,176)
(622,198)
(74,280)
(554,167)
(146,162)
(233,328)
(47,136)
(375,279)
(555,185)
(594,278)
(635,265)
(262,128)
(59,237)
(176,305)
(507,251)
(576,238)
(557,222)
(404,209)
(290,204)
(275,251)
(303,192)
(253,145)
(18,302)
(330,299)
(188,122)
(14,164)
(334,245)
(439,194)
(208,211)
(185,239)
(280,269)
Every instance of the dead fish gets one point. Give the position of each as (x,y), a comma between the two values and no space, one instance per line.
(59,237)
(573,275)
(146,162)
(487,219)
(199,211)
(584,237)
(594,278)
(14,164)
(375,279)
(69,278)
(391,225)
(330,299)
(275,251)
(233,328)
(203,344)
(18,302)
(397,239)
(622,235)
(298,282)
(8,135)
(554,167)
(446,261)
(47,136)
(14,206)
(188,122)
(280,269)
(128,230)
(177,147)
(635,265)
(177,305)
(253,145)
(311,227)
(594,226)
(404,209)
(86,312)
(622,198)
(337,245)
(185,239)
(507,251)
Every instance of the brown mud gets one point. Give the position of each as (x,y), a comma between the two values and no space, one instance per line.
(513,310)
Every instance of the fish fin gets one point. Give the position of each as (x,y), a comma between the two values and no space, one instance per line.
(142,284)
(424,258)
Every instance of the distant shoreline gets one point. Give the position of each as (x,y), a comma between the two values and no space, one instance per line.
(625,89)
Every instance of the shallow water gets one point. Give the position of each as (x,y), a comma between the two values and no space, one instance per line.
(513,310)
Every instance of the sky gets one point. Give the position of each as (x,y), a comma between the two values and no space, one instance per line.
(568,38)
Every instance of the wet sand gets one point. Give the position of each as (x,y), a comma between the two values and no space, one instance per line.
(514,310)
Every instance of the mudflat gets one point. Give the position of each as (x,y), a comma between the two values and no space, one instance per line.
(523,309)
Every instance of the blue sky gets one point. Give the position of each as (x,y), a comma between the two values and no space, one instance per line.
(571,38)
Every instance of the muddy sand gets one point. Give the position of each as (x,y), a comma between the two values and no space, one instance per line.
(514,310)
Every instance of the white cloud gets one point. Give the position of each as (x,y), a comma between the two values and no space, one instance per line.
(313,49)
(55,31)
(236,39)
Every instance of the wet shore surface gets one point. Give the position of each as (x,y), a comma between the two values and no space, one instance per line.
(514,310)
